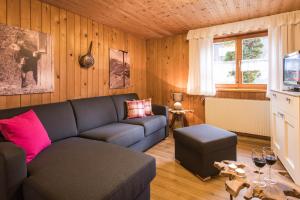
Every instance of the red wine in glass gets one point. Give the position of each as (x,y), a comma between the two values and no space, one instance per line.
(259,162)
(271,159)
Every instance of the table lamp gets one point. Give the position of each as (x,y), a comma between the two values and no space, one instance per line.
(177,98)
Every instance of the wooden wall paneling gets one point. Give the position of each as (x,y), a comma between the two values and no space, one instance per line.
(71,55)
(248,95)
(105,60)
(190,116)
(120,42)
(25,23)
(161,69)
(71,35)
(3,11)
(173,61)
(158,71)
(13,12)
(149,62)
(131,50)
(153,71)
(13,18)
(36,25)
(46,28)
(77,46)
(89,70)
(63,55)
(142,75)
(141,69)
(95,68)
(165,70)
(55,21)
(83,51)
(3,21)
(135,66)
(199,110)
(143,65)
(137,71)
(126,41)
(101,60)
(110,44)
(261,96)
(118,39)
(182,72)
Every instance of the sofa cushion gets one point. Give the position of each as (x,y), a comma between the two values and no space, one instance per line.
(150,123)
(78,168)
(116,133)
(120,103)
(58,118)
(94,112)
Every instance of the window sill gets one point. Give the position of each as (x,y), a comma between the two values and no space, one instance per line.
(240,90)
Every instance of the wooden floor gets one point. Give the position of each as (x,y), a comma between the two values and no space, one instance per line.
(173,182)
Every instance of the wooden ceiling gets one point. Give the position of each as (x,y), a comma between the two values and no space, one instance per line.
(158,18)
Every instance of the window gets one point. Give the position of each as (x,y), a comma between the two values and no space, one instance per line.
(241,61)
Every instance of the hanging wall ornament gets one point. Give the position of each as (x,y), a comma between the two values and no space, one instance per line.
(87,60)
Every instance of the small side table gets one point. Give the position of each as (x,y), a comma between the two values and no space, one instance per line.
(179,116)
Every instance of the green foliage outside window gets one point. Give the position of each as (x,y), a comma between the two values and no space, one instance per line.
(250,76)
(252,48)
(229,56)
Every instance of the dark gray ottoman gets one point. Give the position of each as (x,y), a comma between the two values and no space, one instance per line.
(198,147)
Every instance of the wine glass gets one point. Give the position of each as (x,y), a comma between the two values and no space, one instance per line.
(271,159)
(259,161)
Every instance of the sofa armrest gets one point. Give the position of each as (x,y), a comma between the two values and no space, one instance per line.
(162,110)
(13,170)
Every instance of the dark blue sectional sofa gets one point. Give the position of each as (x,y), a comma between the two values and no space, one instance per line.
(95,152)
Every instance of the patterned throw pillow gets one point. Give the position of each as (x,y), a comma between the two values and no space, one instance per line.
(148,107)
(135,109)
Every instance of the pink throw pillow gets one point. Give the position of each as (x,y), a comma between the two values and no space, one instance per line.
(26,131)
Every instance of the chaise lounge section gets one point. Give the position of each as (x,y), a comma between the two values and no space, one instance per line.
(94,153)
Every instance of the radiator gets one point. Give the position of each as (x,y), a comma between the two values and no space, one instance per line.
(239,115)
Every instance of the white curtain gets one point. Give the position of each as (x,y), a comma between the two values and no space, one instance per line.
(201,76)
(277,49)
(283,39)
(283,33)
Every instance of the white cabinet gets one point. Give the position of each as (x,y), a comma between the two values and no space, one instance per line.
(285,130)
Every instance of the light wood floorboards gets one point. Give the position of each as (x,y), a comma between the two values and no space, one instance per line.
(173,182)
